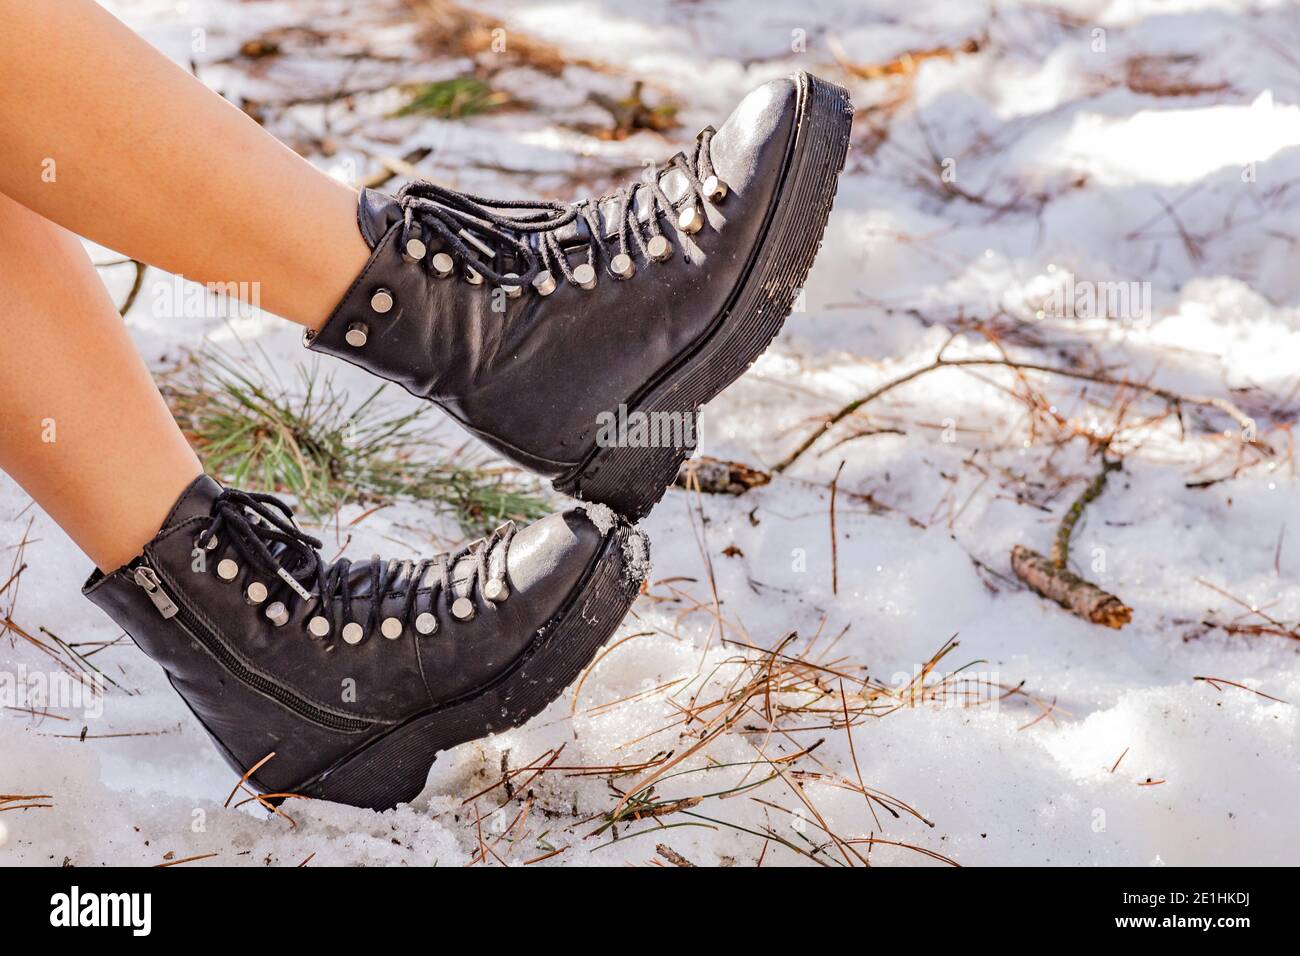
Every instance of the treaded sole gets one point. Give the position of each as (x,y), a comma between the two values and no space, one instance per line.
(632,481)
(392,769)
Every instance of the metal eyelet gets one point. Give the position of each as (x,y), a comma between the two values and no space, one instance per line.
(318,626)
(659,248)
(277,613)
(462,609)
(391,628)
(426,623)
(496,591)
(585,276)
(256,592)
(715,190)
(227,569)
(353,632)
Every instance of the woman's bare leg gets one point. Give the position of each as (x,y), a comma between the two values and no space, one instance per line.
(82,426)
(105,136)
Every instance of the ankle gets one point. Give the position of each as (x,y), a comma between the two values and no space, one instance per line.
(129,518)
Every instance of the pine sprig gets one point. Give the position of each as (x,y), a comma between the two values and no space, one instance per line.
(307,440)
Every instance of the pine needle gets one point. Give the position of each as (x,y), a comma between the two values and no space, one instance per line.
(310,441)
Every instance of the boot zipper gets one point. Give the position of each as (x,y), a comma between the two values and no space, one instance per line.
(147,578)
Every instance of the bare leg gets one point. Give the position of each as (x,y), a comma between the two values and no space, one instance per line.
(82,426)
(105,136)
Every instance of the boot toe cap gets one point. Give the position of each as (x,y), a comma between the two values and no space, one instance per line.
(750,147)
(549,558)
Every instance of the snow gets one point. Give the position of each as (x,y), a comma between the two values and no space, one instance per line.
(1172,741)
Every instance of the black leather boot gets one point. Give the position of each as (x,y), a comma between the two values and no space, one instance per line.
(581,339)
(354,675)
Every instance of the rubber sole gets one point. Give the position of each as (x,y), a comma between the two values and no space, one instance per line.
(393,769)
(631,481)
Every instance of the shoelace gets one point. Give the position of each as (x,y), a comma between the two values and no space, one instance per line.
(252,523)
(457,218)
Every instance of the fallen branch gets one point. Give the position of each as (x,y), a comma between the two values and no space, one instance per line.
(394,166)
(1052,578)
(1061,546)
(1246,423)
(716,477)
(672,856)
(907,62)
(1068,589)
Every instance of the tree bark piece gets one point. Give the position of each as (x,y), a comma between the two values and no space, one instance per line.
(672,856)
(714,476)
(1067,589)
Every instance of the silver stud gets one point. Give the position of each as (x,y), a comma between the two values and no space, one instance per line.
(227,570)
(415,249)
(256,592)
(426,623)
(353,632)
(659,248)
(210,546)
(512,291)
(318,626)
(621,267)
(473,278)
(585,276)
(496,591)
(544,282)
(382,301)
(357,334)
(391,628)
(443,265)
(462,609)
(277,613)
(715,189)
(690,220)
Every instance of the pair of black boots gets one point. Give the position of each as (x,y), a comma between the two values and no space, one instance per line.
(534,324)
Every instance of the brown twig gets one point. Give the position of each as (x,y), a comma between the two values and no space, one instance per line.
(672,856)
(835,549)
(1053,579)
(1246,423)
(136,285)
(713,476)
(1067,589)
(1061,546)
(1216,681)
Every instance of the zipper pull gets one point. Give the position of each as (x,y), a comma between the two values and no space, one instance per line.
(147,578)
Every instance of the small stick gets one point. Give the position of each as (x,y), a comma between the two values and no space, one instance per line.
(714,476)
(1246,423)
(1068,589)
(1061,546)
(188,859)
(136,285)
(672,856)
(835,550)
(1053,579)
